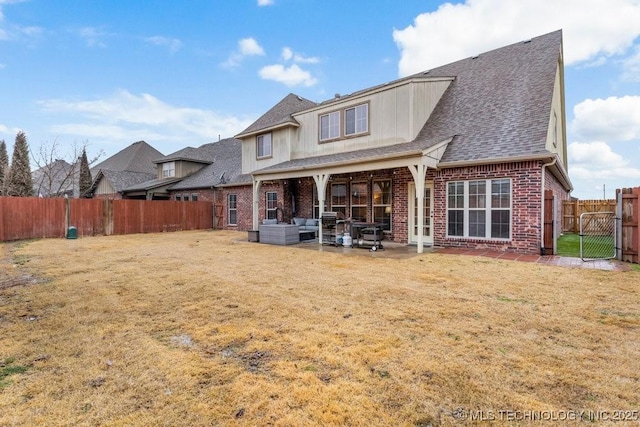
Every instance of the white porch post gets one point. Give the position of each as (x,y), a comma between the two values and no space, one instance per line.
(256,203)
(419,173)
(321,180)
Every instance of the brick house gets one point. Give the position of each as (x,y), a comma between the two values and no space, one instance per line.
(128,167)
(460,155)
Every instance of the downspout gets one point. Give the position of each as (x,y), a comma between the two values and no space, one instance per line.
(542,181)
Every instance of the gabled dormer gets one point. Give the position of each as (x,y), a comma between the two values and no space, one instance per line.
(180,164)
(269,139)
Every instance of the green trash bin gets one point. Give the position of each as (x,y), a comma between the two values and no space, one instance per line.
(72,233)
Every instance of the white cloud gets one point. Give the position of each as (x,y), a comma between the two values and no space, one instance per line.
(611,119)
(250,46)
(173,44)
(265,2)
(596,161)
(591,28)
(287,53)
(92,36)
(290,76)
(246,47)
(126,117)
(631,67)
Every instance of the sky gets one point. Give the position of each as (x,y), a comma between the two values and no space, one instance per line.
(179,73)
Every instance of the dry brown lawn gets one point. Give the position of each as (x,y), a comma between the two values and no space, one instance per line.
(201,328)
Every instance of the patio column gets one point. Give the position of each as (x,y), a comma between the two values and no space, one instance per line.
(321,180)
(256,203)
(419,173)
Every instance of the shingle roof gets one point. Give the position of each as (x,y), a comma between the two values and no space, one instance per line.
(280,114)
(138,157)
(498,106)
(225,168)
(120,180)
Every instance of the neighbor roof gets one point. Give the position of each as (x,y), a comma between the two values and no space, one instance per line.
(120,180)
(498,106)
(138,157)
(280,115)
(225,158)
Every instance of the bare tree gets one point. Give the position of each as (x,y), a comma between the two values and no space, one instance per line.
(58,175)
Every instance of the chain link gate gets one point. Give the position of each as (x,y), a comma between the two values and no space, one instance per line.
(597,235)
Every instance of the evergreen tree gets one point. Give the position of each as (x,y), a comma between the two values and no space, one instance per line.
(85,175)
(4,165)
(19,182)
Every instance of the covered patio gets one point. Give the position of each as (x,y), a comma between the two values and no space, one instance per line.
(322,168)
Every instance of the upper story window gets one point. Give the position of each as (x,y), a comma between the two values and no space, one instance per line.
(330,126)
(356,120)
(168,169)
(263,146)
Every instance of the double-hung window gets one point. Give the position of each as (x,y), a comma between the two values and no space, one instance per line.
(168,169)
(339,198)
(263,146)
(359,198)
(382,203)
(356,120)
(330,126)
(479,208)
(232,206)
(272,205)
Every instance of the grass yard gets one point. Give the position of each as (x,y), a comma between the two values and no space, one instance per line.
(595,246)
(201,329)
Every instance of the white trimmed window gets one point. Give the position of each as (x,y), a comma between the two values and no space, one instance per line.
(356,120)
(382,203)
(169,169)
(263,146)
(232,209)
(194,197)
(330,126)
(359,198)
(339,198)
(479,209)
(272,205)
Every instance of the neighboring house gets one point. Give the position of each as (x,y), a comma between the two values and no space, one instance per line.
(211,172)
(124,169)
(57,179)
(459,155)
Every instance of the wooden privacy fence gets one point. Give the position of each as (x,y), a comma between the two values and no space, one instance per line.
(572,209)
(32,217)
(628,231)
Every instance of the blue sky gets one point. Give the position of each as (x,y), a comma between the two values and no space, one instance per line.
(182,73)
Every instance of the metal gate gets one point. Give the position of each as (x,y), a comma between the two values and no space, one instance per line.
(597,235)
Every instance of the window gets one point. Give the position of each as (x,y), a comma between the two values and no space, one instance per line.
(359,197)
(272,205)
(330,126)
(232,207)
(356,120)
(479,208)
(178,197)
(339,198)
(382,203)
(194,197)
(555,129)
(263,147)
(168,169)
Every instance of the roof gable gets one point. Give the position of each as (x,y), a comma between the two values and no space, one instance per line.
(499,104)
(137,157)
(280,114)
